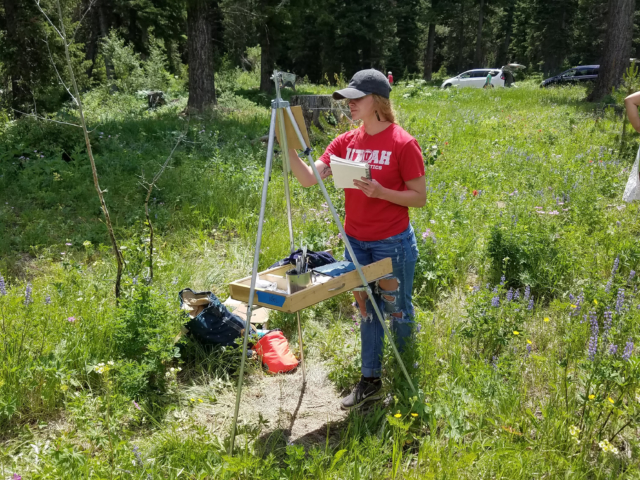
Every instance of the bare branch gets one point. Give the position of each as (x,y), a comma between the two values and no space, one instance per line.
(53,63)
(91,4)
(50,22)
(146,201)
(46,119)
(78,100)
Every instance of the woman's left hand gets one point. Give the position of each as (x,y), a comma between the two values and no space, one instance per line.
(371,188)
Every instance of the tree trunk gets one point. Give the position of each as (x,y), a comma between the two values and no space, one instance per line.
(617,47)
(18,66)
(202,93)
(478,59)
(428,57)
(314,105)
(103,19)
(461,38)
(503,56)
(266,60)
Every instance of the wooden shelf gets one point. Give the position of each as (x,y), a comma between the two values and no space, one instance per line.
(316,293)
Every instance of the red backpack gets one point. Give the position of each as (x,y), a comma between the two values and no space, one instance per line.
(275,353)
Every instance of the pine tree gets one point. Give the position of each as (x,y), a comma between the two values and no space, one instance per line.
(617,47)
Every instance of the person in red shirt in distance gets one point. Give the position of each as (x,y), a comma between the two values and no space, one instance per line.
(377,216)
(390,78)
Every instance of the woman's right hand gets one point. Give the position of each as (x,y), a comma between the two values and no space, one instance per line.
(303,172)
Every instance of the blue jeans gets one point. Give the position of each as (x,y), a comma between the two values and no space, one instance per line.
(403,251)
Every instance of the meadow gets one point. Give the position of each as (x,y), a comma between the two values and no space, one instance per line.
(526,295)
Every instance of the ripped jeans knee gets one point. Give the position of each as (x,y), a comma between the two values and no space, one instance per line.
(387,293)
(388,289)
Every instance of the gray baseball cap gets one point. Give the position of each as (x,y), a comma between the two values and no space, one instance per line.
(365,82)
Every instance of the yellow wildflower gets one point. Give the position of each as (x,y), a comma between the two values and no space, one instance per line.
(470,288)
(611,400)
(515,332)
(592,396)
(200,400)
(546,319)
(595,302)
(192,399)
(398,415)
(529,342)
(414,414)
(574,306)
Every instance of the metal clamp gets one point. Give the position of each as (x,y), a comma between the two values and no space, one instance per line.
(279,103)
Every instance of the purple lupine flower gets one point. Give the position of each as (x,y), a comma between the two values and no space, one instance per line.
(502,280)
(530,306)
(27,295)
(584,319)
(3,287)
(632,274)
(47,300)
(516,294)
(628,350)
(607,287)
(510,295)
(593,340)
(135,280)
(136,452)
(476,288)
(418,327)
(527,293)
(528,349)
(613,349)
(494,362)
(620,300)
(616,264)
(495,301)
(571,297)
(608,321)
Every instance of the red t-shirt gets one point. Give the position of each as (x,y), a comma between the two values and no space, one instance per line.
(390,78)
(395,158)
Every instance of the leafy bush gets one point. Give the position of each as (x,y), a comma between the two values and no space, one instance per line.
(530,254)
(144,332)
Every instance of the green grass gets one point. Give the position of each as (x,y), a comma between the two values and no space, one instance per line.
(493,403)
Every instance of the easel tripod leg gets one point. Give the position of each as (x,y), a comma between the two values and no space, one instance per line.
(254,275)
(304,373)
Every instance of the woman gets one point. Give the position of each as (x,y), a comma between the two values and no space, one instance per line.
(377,216)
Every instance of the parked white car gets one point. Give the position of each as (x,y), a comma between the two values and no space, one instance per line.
(501,77)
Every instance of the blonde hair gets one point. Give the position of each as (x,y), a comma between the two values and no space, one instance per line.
(383,108)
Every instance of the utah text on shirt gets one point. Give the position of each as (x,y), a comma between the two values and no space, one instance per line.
(369,156)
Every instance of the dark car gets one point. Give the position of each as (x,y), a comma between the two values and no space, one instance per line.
(574,76)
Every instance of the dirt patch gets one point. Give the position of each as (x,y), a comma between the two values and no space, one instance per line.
(300,414)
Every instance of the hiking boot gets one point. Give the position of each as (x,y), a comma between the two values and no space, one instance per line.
(363,393)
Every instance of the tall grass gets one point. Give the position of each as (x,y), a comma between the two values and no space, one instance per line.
(508,386)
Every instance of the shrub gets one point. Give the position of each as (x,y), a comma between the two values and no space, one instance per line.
(145,328)
(530,254)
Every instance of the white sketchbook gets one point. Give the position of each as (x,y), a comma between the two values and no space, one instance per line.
(345,172)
